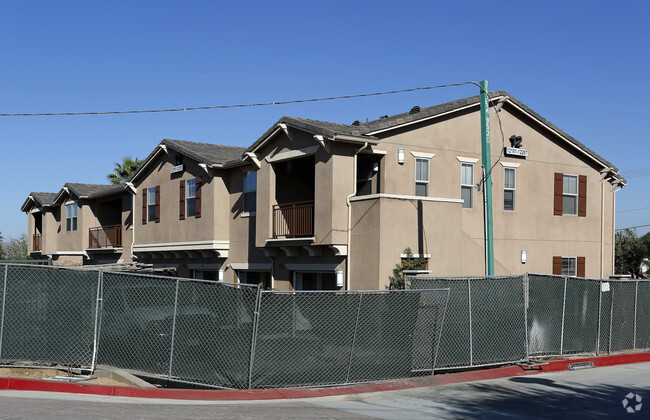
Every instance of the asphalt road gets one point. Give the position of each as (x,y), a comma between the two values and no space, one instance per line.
(589,393)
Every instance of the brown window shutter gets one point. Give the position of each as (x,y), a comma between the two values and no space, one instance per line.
(557,265)
(581,267)
(558,188)
(157,204)
(582,196)
(181,204)
(144,206)
(197,200)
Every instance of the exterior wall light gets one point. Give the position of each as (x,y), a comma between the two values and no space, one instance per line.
(523,257)
(220,278)
(400,156)
(339,278)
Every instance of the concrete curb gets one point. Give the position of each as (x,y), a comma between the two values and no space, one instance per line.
(292,393)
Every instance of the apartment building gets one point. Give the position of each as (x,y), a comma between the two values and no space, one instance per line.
(320,205)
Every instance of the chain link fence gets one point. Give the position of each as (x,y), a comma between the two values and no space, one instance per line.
(48,315)
(485,322)
(216,334)
(494,320)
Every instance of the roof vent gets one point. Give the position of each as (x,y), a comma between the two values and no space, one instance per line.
(356,122)
(414,110)
(383,117)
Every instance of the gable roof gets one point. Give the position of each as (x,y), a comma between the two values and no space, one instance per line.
(88,191)
(39,199)
(203,153)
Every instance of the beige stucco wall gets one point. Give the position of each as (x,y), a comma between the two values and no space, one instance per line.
(213,223)
(532,226)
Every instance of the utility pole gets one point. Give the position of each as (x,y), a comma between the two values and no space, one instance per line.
(487,179)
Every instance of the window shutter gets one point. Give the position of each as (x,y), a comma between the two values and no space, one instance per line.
(144,206)
(581,267)
(557,266)
(557,201)
(582,196)
(197,199)
(157,204)
(181,205)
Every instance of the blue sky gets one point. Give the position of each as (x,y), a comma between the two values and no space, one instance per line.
(581,65)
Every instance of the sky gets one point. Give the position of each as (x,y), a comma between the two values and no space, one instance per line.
(581,65)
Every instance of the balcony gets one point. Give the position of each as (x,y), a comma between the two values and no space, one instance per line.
(36,242)
(293,220)
(105,237)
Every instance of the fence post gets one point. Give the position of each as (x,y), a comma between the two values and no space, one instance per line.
(525,280)
(171,350)
(600,300)
(471,338)
(611,320)
(636,295)
(2,319)
(354,339)
(563,314)
(256,321)
(98,312)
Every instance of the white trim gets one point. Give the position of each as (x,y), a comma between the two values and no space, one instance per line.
(35,210)
(251,266)
(370,151)
(416,271)
(247,214)
(407,197)
(466,159)
(183,246)
(510,164)
(423,155)
(331,267)
(415,256)
(292,154)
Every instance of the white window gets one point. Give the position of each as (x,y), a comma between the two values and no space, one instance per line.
(570,194)
(421,177)
(467,185)
(250,187)
(151,204)
(190,197)
(71,217)
(509,182)
(569,266)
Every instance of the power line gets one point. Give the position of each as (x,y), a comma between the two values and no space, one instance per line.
(632,227)
(626,211)
(196,108)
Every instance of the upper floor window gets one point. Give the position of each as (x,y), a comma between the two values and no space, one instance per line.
(422,177)
(570,195)
(569,266)
(467,184)
(509,182)
(190,197)
(71,217)
(151,204)
(250,187)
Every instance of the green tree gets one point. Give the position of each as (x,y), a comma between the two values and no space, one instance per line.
(124,170)
(397,280)
(16,248)
(630,252)
(2,251)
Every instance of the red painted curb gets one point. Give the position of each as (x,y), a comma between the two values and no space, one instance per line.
(285,393)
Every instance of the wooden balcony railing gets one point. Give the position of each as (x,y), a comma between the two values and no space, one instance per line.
(36,242)
(293,220)
(105,237)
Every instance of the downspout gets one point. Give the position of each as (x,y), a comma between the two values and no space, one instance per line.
(614,229)
(133,195)
(347,202)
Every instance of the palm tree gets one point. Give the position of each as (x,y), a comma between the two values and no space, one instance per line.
(124,170)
